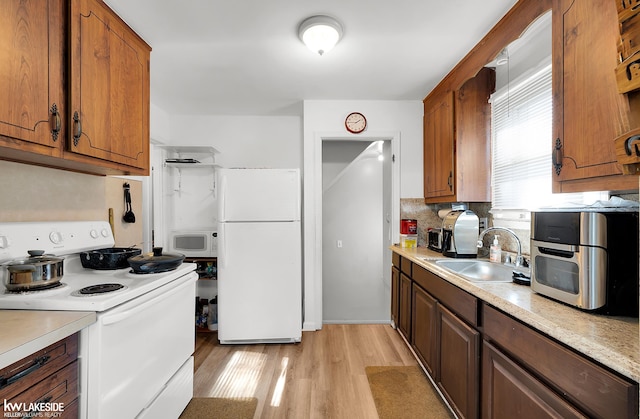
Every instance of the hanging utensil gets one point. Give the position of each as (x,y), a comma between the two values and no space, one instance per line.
(129,216)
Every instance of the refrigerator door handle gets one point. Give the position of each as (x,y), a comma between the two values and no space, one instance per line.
(223,196)
(222,246)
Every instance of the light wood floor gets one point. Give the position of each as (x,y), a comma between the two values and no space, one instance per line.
(321,377)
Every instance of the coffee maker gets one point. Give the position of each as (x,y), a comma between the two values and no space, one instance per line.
(460,230)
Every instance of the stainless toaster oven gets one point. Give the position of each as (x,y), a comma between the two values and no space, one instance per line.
(588,259)
(434,239)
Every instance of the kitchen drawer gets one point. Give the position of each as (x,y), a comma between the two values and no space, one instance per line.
(406,266)
(395,259)
(60,387)
(593,389)
(21,375)
(460,302)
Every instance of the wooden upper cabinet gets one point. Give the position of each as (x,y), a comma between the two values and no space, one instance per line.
(457,142)
(473,137)
(589,113)
(31,76)
(439,143)
(59,59)
(109,87)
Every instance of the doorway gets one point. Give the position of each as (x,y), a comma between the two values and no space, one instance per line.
(356,230)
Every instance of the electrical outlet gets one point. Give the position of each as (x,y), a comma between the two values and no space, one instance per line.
(483,223)
(339,244)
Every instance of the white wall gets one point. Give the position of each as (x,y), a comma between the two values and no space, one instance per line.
(244,141)
(401,120)
(159,125)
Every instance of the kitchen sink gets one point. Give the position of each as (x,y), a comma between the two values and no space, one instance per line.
(481,270)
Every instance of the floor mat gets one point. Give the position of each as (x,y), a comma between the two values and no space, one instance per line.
(404,392)
(218,408)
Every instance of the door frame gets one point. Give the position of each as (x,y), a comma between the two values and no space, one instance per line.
(313,224)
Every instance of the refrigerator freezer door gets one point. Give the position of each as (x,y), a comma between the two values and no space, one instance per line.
(258,195)
(259,282)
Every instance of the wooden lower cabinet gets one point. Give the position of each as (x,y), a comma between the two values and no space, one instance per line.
(488,364)
(509,391)
(46,376)
(459,369)
(592,389)
(404,323)
(444,342)
(395,293)
(424,329)
(54,396)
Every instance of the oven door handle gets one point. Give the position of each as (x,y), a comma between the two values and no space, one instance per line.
(118,317)
(555,246)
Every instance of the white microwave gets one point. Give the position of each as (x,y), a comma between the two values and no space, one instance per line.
(192,243)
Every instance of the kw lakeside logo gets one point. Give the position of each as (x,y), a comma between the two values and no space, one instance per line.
(32,410)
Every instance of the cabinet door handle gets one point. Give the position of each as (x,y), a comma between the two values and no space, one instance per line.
(557,156)
(450,181)
(630,141)
(37,363)
(77,128)
(57,124)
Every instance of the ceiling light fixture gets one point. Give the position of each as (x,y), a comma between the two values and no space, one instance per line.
(320,33)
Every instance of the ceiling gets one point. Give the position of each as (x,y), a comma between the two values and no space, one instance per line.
(244,57)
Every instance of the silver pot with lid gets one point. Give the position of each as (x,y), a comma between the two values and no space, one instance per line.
(36,271)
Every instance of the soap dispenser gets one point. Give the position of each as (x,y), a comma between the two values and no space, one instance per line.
(495,251)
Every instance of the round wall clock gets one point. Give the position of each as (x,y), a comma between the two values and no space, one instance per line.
(355,122)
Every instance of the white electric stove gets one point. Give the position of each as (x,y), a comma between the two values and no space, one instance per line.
(69,296)
(136,360)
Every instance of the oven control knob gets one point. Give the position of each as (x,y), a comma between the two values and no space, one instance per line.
(93,234)
(105,232)
(55,237)
(4,242)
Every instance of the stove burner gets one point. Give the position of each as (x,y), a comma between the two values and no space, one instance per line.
(158,271)
(100,289)
(37,290)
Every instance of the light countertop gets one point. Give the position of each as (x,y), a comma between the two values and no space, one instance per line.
(23,332)
(610,340)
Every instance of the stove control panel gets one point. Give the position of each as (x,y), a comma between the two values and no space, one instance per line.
(56,237)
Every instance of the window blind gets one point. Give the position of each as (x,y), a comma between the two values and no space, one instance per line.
(521,118)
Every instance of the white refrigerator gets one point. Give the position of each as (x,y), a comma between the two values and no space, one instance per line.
(259,256)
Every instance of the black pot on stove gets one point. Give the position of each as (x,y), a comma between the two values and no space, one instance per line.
(156,262)
(108,258)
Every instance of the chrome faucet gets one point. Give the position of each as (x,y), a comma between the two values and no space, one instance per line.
(519,257)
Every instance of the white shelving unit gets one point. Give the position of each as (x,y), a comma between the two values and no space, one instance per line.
(191,157)
(186,170)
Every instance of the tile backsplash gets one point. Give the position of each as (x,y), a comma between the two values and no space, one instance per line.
(427,216)
(34,193)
